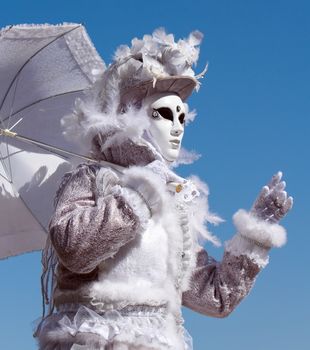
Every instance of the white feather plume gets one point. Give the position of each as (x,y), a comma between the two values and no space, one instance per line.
(201,215)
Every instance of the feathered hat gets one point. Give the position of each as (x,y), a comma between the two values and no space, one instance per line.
(153,64)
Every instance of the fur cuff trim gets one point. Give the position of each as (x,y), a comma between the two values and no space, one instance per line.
(262,233)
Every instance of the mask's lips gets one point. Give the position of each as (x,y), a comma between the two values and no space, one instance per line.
(175,141)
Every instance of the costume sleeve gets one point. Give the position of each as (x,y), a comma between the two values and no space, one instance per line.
(217,287)
(94,217)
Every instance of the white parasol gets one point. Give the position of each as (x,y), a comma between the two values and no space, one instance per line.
(42,71)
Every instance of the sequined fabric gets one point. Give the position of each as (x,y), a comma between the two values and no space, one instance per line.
(92,225)
(218,287)
(94,230)
(84,213)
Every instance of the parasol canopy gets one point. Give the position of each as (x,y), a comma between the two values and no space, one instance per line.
(43,69)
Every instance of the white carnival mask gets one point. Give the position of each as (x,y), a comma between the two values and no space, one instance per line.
(167,120)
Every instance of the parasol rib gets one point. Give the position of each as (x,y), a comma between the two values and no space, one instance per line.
(30,58)
(15,80)
(43,99)
(8,126)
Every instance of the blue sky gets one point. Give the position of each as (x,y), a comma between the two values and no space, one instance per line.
(253,120)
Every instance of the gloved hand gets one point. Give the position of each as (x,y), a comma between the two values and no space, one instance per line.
(272,203)
(165,174)
(185,190)
(150,182)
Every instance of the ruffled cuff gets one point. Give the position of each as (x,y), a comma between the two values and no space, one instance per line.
(149,187)
(136,201)
(255,237)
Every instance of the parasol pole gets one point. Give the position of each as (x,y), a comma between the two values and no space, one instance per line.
(172,186)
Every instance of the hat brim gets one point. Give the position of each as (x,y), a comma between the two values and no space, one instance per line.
(181,85)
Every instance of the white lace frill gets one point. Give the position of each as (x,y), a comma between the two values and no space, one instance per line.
(139,327)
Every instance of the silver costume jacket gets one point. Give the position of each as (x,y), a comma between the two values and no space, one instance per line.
(128,252)
(129,258)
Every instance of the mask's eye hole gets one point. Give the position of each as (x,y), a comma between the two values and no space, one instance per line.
(182,118)
(166,113)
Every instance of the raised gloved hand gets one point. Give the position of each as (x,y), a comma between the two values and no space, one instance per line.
(165,174)
(272,203)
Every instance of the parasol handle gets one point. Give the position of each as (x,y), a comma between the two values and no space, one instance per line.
(172,186)
(7,132)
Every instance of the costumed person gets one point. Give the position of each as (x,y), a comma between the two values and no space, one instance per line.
(125,246)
